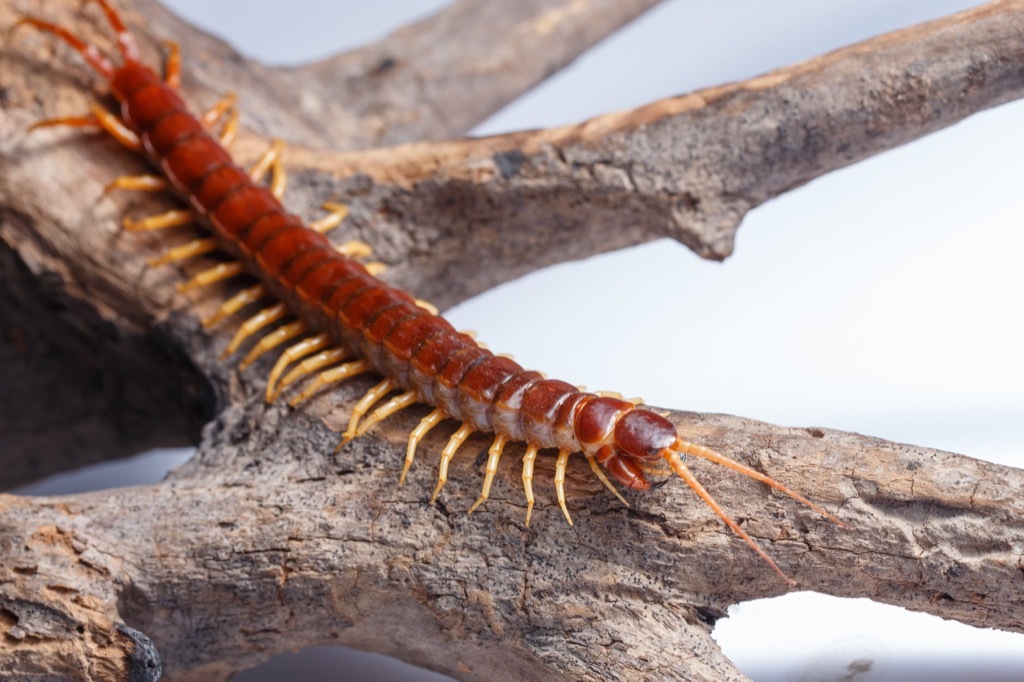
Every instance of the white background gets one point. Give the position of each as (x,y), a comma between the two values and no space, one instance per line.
(883,299)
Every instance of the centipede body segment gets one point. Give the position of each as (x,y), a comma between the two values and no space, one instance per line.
(338,320)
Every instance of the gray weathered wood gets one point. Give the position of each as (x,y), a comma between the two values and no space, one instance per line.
(266,541)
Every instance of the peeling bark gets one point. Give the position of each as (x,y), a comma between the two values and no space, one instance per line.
(265,541)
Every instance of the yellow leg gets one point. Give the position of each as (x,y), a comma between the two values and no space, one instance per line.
(196,247)
(363,406)
(138,183)
(271,161)
(427,423)
(596,468)
(296,352)
(273,340)
(332,220)
(230,130)
(376,268)
(528,459)
(310,365)
(456,441)
(116,127)
(236,303)
(175,218)
(217,111)
(254,324)
(217,273)
(493,455)
(429,307)
(355,249)
(331,376)
(172,70)
(563,459)
(399,402)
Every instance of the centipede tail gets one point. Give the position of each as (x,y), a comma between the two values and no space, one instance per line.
(336,320)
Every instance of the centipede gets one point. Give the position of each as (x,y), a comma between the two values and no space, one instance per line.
(339,320)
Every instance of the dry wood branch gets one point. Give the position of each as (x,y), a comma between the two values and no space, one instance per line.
(266,542)
(434,79)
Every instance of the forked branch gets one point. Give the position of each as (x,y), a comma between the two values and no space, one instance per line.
(266,542)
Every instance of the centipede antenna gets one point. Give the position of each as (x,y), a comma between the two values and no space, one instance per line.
(687,448)
(676,462)
(90,53)
(125,40)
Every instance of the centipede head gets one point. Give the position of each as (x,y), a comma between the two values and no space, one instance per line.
(626,440)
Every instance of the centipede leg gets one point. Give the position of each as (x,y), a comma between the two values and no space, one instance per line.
(172,69)
(363,406)
(310,365)
(456,441)
(65,122)
(117,129)
(196,247)
(254,324)
(138,183)
(212,115)
(560,464)
(399,402)
(354,249)
(273,340)
(493,455)
(332,376)
(528,459)
(427,423)
(218,273)
(337,215)
(175,218)
(300,350)
(270,161)
(236,303)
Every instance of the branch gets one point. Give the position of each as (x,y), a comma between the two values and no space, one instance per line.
(266,542)
(434,79)
(688,167)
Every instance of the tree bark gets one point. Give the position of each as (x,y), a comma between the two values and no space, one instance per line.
(265,541)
